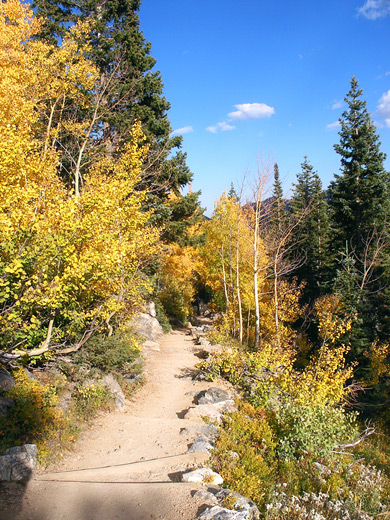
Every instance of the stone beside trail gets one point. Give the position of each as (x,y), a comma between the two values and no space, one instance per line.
(129,464)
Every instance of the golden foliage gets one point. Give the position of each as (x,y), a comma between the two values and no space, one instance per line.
(177,281)
(75,260)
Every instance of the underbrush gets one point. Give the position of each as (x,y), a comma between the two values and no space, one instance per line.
(288,447)
(110,354)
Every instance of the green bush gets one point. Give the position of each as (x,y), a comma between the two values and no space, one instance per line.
(110,354)
(312,430)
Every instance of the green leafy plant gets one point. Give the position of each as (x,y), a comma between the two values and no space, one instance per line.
(110,354)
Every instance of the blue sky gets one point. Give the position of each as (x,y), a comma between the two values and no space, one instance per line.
(264,81)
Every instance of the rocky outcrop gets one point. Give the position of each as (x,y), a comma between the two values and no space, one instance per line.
(146,325)
(19,463)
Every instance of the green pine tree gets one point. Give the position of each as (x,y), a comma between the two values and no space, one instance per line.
(358,197)
(359,203)
(310,234)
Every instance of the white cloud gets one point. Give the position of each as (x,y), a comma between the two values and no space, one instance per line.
(251,111)
(184,130)
(337,104)
(374,9)
(383,108)
(387,122)
(333,126)
(220,127)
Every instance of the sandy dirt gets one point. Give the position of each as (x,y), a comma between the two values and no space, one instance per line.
(127,465)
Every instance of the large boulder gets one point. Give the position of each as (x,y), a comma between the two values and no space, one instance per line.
(146,326)
(19,463)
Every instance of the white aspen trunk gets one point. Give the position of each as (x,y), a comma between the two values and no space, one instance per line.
(255,270)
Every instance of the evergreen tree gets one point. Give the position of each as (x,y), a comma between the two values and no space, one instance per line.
(310,234)
(134,92)
(358,197)
(359,202)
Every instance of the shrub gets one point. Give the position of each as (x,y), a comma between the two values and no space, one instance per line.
(244,453)
(312,430)
(90,399)
(110,354)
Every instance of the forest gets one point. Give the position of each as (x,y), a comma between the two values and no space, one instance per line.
(97,220)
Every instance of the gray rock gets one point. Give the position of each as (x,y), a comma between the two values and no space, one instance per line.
(241,503)
(146,326)
(112,384)
(220,513)
(213,395)
(6,380)
(207,498)
(207,432)
(201,445)
(18,463)
(5,405)
(213,411)
(202,475)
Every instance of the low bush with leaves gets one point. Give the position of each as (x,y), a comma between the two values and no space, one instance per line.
(110,354)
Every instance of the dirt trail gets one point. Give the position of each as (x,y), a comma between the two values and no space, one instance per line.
(126,466)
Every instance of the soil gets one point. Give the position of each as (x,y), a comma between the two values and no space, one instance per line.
(127,464)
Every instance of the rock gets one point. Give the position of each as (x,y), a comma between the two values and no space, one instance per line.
(112,384)
(5,405)
(202,475)
(212,411)
(200,445)
(207,498)
(146,326)
(240,502)
(19,463)
(208,432)
(213,395)
(6,380)
(220,513)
